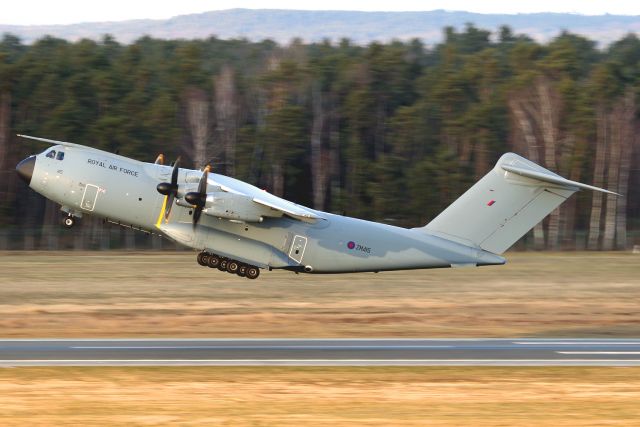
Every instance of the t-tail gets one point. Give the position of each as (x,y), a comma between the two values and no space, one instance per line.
(504,205)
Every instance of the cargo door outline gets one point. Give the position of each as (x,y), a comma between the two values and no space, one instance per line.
(298,246)
(89,197)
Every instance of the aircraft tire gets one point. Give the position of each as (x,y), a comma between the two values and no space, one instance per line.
(233,266)
(202,259)
(242,270)
(213,261)
(68,221)
(223,265)
(252,272)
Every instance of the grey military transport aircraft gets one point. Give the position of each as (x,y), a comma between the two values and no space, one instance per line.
(240,229)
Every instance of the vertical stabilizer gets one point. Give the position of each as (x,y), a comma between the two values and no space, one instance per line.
(504,205)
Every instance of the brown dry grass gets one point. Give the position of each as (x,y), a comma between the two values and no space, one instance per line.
(71,294)
(288,396)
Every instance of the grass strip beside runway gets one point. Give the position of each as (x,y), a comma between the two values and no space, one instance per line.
(293,396)
(119,294)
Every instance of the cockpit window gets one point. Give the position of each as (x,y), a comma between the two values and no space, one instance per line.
(51,154)
(60,155)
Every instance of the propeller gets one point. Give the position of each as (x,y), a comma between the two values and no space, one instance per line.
(170,189)
(160,159)
(198,198)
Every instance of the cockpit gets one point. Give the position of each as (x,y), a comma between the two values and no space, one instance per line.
(52,154)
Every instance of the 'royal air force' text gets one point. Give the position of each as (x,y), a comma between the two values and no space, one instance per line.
(120,169)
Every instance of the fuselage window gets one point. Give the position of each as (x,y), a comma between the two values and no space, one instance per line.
(51,154)
(60,155)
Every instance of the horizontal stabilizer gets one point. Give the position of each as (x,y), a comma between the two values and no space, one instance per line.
(552,178)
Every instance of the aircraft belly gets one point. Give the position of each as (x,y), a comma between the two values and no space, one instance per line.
(352,245)
(245,250)
(231,240)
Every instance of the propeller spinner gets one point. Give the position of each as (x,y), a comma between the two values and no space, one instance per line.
(170,189)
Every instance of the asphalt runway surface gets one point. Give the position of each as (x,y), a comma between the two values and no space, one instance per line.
(320,352)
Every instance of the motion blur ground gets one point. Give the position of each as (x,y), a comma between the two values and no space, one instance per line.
(347,396)
(124,294)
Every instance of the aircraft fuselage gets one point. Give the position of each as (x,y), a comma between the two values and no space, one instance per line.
(123,190)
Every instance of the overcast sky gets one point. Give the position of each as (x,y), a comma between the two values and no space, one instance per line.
(25,12)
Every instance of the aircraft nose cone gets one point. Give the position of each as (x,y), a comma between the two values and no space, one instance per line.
(25,169)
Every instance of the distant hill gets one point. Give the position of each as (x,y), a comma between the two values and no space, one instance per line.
(360,27)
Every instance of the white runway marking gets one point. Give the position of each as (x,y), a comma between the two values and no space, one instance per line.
(598,352)
(321,352)
(305,361)
(577,343)
(266,347)
(246,339)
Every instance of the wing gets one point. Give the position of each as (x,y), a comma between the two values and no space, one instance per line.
(262,199)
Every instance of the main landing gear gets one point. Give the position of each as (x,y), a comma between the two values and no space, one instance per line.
(232,266)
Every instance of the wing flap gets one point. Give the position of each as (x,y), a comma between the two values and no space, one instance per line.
(290,209)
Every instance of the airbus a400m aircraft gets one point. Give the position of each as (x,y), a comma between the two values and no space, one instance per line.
(241,229)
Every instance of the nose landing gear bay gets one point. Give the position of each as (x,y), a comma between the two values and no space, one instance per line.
(232,266)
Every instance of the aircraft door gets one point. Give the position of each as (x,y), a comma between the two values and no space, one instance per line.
(89,197)
(297,248)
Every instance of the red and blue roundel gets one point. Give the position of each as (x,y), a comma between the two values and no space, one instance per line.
(351,245)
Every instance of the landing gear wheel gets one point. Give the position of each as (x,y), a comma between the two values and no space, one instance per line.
(242,270)
(252,272)
(233,266)
(205,258)
(202,258)
(223,265)
(213,261)
(68,221)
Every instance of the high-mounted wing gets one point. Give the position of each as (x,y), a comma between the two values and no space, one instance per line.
(251,203)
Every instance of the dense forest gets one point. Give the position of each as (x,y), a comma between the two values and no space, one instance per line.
(389,132)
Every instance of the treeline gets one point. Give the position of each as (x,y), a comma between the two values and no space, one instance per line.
(390,132)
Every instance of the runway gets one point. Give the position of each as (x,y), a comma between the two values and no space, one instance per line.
(320,352)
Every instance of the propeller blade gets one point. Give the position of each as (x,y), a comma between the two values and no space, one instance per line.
(200,199)
(202,185)
(196,215)
(174,174)
(160,159)
(167,209)
(170,189)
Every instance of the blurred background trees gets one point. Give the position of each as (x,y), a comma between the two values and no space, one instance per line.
(390,132)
